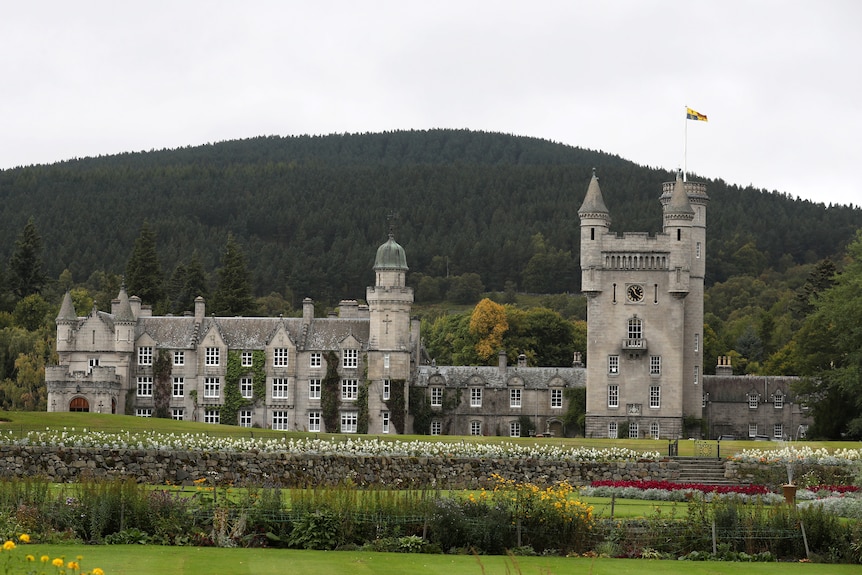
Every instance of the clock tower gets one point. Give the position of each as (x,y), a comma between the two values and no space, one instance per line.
(644,316)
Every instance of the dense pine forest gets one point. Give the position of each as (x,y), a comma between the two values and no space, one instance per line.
(256,225)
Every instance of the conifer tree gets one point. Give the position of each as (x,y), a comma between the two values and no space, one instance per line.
(25,265)
(143,272)
(233,296)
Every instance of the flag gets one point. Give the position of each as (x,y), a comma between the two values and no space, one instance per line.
(692,115)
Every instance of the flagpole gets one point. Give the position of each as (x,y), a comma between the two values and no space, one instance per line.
(685,148)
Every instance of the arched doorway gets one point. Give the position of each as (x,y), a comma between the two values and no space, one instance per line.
(79,404)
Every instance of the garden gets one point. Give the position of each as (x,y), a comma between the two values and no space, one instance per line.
(504,517)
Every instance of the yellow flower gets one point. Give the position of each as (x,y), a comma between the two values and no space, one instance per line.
(9,545)
(30,558)
(58,562)
(44,558)
(97,571)
(24,538)
(73,565)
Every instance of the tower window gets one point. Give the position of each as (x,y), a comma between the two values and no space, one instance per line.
(592,233)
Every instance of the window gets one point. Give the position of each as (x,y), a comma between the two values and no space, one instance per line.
(515,397)
(351,358)
(349,389)
(696,375)
(556,399)
(654,396)
(145,386)
(387,386)
(279,357)
(697,250)
(475,397)
(315,360)
(245,418)
(613,364)
(753,400)
(246,359)
(349,421)
(613,430)
(613,396)
(436,396)
(385,361)
(179,358)
(212,416)
(179,387)
(279,420)
(385,416)
(655,365)
(475,428)
(144,412)
(703,400)
(752,430)
(93,362)
(246,388)
(778,401)
(633,430)
(145,355)
(178,413)
(697,342)
(436,427)
(313,421)
(778,431)
(212,387)
(313,389)
(211,356)
(279,387)
(635,328)
(515,429)
(654,430)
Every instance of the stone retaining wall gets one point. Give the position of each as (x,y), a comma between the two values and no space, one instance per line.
(159,467)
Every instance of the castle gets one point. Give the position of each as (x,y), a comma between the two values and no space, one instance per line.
(355,372)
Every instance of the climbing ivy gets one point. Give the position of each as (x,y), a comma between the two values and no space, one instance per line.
(258,373)
(395,403)
(233,399)
(162,384)
(329,394)
(420,408)
(362,405)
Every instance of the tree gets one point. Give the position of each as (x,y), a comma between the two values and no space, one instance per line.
(187,282)
(488,324)
(233,296)
(25,265)
(143,272)
(831,341)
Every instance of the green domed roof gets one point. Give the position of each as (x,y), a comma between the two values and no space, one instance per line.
(390,256)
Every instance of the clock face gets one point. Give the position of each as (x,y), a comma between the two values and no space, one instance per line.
(635,292)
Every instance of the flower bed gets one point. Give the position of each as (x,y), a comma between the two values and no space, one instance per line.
(804,454)
(358,446)
(671,486)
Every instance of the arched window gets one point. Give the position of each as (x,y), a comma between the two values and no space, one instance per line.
(635,328)
(79,404)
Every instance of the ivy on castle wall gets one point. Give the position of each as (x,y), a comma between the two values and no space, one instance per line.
(330,393)
(233,399)
(362,405)
(162,367)
(258,373)
(396,404)
(420,408)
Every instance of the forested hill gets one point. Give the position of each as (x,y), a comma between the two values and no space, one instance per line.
(309,212)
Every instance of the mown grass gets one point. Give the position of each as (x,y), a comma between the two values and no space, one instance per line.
(147,560)
(20,422)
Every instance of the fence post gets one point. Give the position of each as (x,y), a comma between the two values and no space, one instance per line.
(714,542)
(613,502)
(805,539)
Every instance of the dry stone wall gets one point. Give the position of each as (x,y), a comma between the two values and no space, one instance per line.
(161,467)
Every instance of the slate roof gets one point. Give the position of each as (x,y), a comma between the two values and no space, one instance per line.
(534,377)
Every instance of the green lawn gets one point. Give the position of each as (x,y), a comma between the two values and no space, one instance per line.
(18,422)
(145,560)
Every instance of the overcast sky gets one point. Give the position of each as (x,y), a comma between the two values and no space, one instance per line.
(780,80)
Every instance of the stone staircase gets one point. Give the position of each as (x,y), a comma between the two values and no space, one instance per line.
(706,470)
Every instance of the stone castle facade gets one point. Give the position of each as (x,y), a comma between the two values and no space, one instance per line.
(356,371)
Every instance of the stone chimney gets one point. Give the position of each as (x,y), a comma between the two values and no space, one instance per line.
(307,310)
(577,360)
(135,302)
(348,309)
(200,309)
(522,360)
(502,361)
(724,367)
